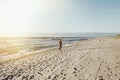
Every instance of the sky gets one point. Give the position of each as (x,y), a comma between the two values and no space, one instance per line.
(59,16)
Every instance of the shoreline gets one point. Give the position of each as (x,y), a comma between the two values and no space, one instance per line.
(16,56)
(23,55)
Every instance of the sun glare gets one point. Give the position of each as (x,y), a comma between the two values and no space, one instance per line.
(15,31)
(31,17)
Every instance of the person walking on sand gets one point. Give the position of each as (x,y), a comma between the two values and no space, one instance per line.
(60,44)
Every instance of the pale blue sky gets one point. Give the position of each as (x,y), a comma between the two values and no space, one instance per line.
(39,16)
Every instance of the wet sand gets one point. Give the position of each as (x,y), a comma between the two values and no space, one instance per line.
(93,59)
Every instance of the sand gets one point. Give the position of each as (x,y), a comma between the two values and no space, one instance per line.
(93,59)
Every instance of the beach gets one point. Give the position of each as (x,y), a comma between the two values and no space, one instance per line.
(92,59)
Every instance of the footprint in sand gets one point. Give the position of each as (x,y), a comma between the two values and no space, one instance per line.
(40,73)
(49,77)
(100,78)
(64,74)
(75,73)
(51,69)
(75,69)
(61,73)
(9,77)
(31,77)
(64,78)
(54,78)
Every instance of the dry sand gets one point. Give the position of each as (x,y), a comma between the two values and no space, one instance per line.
(94,59)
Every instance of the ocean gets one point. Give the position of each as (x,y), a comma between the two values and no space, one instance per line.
(33,42)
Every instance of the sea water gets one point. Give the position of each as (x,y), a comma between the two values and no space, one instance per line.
(33,42)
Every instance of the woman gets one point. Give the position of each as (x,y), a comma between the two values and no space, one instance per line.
(60,44)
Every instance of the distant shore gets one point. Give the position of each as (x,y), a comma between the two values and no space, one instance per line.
(91,59)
